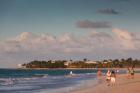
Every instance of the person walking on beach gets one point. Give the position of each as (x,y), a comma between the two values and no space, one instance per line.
(117,71)
(108,74)
(99,74)
(132,73)
(128,73)
(113,78)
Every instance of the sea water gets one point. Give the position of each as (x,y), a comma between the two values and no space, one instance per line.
(44,81)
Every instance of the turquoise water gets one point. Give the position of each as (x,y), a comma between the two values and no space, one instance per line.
(6,73)
(43,81)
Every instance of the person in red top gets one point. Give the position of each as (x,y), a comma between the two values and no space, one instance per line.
(99,74)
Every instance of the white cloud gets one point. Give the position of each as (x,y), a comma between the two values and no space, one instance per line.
(94,43)
(121,39)
(126,39)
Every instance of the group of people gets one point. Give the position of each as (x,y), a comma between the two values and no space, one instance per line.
(110,76)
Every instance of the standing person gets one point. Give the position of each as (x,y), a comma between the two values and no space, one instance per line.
(117,71)
(113,78)
(71,73)
(132,72)
(108,74)
(99,74)
(128,73)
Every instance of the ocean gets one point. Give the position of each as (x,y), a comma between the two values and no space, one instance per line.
(44,81)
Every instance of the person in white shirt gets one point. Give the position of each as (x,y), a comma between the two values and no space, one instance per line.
(108,74)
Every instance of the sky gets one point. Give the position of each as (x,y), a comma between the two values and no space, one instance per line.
(68,29)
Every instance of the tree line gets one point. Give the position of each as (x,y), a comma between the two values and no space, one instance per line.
(45,64)
(129,62)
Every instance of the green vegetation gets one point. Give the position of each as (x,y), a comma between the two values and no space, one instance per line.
(83,64)
(45,64)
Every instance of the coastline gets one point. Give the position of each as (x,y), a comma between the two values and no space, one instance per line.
(137,69)
(123,85)
(82,83)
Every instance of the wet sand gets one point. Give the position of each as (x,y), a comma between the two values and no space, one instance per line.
(123,85)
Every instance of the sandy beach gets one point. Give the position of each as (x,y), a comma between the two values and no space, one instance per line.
(123,85)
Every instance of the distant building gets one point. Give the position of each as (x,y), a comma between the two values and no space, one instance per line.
(91,62)
(21,66)
(105,62)
(52,61)
(67,63)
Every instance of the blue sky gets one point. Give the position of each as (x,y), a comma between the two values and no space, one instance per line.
(58,18)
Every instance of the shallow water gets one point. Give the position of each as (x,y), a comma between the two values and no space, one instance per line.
(43,81)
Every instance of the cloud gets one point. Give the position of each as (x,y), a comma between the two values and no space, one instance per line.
(125,38)
(119,39)
(90,24)
(95,44)
(108,11)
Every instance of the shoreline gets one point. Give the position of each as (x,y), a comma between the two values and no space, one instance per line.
(98,85)
(67,68)
(136,69)
(123,85)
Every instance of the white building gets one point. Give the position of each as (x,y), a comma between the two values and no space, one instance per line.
(67,63)
(91,62)
(21,66)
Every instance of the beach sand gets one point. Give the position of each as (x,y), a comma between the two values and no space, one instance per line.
(123,85)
